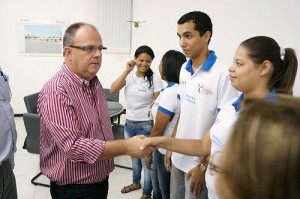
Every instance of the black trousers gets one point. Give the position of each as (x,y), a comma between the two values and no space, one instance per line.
(80,191)
(8,187)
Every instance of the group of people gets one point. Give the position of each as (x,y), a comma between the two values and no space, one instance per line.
(194,138)
(206,91)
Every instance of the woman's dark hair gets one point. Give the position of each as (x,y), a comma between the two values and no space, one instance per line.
(149,51)
(171,65)
(201,20)
(263,48)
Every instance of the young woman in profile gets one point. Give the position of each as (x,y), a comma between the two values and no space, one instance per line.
(261,158)
(142,87)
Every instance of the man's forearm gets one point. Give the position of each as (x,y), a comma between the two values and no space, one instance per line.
(113,149)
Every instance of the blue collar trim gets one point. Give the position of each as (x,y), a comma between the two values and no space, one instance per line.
(270,98)
(236,104)
(209,62)
(170,84)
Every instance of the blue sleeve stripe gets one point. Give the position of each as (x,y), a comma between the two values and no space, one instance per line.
(165,111)
(178,96)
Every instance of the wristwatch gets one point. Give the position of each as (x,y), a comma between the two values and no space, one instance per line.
(202,167)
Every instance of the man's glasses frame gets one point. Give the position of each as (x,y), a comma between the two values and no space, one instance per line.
(90,48)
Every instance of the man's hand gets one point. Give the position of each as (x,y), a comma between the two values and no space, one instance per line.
(168,162)
(198,179)
(134,146)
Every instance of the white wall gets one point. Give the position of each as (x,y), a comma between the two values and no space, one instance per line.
(233,20)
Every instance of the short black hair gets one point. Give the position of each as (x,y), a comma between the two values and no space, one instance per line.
(201,20)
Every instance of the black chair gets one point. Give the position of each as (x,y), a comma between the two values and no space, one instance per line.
(118,132)
(111,97)
(32,126)
(115,98)
(117,127)
(31,102)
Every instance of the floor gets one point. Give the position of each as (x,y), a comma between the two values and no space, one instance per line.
(27,166)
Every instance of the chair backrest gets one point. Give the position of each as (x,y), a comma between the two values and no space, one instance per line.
(118,131)
(111,97)
(32,126)
(31,102)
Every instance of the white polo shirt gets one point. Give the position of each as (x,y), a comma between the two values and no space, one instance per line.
(201,95)
(167,103)
(221,132)
(139,96)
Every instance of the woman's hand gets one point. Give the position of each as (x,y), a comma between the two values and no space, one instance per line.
(130,65)
(148,161)
(168,162)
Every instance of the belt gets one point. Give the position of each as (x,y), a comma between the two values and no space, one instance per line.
(74,186)
(138,123)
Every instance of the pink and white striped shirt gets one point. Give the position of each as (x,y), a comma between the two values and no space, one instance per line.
(75,124)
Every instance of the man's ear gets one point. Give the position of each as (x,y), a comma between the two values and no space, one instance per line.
(67,52)
(266,67)
(207,36)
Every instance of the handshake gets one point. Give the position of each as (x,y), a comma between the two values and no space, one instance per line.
(140,146)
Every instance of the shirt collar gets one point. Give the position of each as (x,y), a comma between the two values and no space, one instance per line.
(209,62)
(170,84)
(78,80)
(236,104)
(270,98)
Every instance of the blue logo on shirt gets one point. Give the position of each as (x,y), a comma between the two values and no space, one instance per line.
(190,98)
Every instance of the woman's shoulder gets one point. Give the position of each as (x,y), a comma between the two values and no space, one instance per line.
(170,91)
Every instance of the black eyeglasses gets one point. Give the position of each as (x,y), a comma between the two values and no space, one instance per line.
(89,48)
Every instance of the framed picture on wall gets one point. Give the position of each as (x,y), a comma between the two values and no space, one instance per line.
(42,37)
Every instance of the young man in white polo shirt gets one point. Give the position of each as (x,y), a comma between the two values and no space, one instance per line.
(203,88)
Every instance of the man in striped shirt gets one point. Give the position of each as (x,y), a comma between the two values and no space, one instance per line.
(76,141)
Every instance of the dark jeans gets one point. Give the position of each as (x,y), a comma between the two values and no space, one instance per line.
(160,177)
(8,187)
(80,191)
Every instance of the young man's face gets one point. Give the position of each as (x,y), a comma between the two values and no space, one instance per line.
(190,40)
